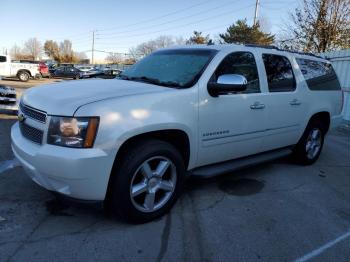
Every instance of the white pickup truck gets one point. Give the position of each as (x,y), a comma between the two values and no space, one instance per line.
(23,71)
(198,110)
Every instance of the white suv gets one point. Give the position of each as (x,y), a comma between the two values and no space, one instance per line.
(200,110)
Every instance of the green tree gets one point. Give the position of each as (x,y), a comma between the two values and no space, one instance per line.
(241,32)
(198,38)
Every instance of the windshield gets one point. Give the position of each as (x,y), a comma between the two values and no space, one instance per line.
(177,68)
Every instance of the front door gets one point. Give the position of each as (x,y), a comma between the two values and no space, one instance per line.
(232,125)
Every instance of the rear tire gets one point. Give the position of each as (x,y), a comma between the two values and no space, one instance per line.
(23,76)
(147,182)
(309,147)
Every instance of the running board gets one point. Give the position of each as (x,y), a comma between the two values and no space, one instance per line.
(240,163)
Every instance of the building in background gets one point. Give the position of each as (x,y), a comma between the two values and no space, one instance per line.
(341,64)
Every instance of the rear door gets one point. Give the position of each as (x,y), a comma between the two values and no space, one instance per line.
(285,105)
(59,72)
(69,71)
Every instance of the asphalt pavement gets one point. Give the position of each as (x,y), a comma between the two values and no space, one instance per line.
(277,211)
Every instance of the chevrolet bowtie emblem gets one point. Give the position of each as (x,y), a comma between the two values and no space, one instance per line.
(21,118)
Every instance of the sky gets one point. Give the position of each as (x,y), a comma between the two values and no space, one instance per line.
(120,25)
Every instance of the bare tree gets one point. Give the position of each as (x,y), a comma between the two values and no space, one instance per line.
(80,56)
(180,40)
(321,25)
(148,47)
(33,48)
(16,52)
(66,51)
(114,58)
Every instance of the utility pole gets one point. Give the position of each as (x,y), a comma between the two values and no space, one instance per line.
(256,12)
(93,47)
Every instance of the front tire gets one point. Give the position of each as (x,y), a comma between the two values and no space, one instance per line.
(148,181)
(309,148)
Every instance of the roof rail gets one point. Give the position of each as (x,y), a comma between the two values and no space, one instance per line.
(285,50)
(263,46)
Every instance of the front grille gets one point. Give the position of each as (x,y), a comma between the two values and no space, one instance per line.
(31,133)
(33,113)
(8,95)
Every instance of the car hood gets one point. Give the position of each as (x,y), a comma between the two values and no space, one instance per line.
(66,97)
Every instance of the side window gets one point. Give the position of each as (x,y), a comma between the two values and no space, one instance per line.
(318,75)
(2,59)
(241,63)
(279,73)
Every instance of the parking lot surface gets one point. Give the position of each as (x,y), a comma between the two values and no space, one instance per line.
(272,212)
(20,87)
(24,85)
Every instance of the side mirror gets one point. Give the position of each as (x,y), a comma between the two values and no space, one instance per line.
(227,84)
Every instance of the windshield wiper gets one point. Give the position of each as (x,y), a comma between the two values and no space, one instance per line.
(150,80)
(123,77)
(145,79)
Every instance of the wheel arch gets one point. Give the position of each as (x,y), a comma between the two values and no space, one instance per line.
(24,70)
(324,117)
(176,137)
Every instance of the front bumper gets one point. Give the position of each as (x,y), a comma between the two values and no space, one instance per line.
(76,173)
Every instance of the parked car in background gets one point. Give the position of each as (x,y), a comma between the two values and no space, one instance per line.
(7,95)
(112,72)
(69,72)
(22,71)
(52,68)
(200,110)
(94,72)
(44,70)
(85,68)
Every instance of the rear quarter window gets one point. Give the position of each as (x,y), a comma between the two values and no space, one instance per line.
(319,76)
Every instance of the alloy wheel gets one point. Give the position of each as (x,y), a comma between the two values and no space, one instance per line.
(313,143)
(153,184)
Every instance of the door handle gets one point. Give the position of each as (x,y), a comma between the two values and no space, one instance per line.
(257,105)
(295,102)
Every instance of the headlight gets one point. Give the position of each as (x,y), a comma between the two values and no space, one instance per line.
(78,132)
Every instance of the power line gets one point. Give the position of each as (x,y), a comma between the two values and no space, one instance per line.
(203,30)
(69,36)
(160,17)
(183,25)
(174,20)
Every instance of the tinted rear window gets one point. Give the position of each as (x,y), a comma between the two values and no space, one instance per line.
(319,75)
